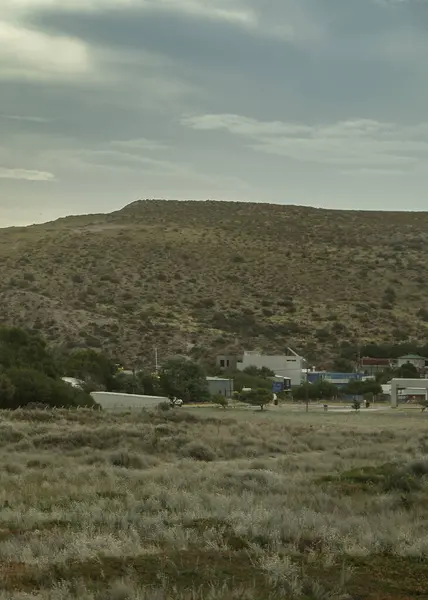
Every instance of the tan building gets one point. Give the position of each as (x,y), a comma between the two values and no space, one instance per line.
(372,366)
(227,362)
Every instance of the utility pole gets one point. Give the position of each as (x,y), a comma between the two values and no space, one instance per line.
(306,387)
(156,361)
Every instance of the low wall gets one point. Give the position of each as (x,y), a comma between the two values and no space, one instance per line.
(117,401)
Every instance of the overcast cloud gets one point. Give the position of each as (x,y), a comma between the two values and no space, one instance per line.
(315,102)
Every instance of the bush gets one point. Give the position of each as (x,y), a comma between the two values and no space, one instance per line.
(184,379)
(256,372)
(419,468)
(127,460)
(199,451)
(25,349)
(90,365)
(164,406)
(246,380)
(7,390)
(34,387)
(260,397)
(220,400)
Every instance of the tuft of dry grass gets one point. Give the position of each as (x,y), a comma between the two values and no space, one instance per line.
(193,507)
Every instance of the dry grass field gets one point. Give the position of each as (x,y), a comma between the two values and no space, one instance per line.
(200,505)
(207,277)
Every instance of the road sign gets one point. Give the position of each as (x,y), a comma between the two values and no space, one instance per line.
(277,387)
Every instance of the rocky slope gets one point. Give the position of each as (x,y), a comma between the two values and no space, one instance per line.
(203,277)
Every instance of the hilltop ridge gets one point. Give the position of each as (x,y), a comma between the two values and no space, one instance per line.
(206,277)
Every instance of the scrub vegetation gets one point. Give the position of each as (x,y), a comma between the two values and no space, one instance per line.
(203,504)
(203,278)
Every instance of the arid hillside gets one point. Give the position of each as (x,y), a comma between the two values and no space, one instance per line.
(203,277)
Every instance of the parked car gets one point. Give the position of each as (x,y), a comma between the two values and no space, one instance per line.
(176,402)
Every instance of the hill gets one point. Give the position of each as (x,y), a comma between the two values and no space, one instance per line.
(204,277)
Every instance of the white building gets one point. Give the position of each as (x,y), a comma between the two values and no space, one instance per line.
(219,385)
(116,401)
(290,366)
(412,359)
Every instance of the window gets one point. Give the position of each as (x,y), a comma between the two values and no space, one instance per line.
(222,363)
(228,363)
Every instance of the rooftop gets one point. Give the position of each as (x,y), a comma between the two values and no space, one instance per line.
(412,357)
(368,360)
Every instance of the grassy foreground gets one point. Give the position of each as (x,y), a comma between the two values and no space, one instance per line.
(180,506)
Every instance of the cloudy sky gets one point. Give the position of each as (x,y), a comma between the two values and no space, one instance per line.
(315,102)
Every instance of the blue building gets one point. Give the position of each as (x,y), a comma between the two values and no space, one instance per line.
(339,379)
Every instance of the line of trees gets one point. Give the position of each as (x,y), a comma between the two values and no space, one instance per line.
(31,373)
(325,390)
(406,371)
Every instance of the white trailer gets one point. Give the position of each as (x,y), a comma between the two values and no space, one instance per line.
(116,401)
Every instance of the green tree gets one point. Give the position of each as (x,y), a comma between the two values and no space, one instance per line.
(356,405)
(128,384)
(184,379)
(25,349)
(304,391)
(220,400)
(32,386)
(372,387)
(407,371)
(356,387)
(150,383)
(324,390)
(246,380)
(343,365)
(92,367)
(320,390)
(141,382)
(7,391)
(385,376)
(260,397)
(263,372)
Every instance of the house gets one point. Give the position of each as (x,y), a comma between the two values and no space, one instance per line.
(220,385)
(290,366)
(373,366)
(412,359)
(226,362)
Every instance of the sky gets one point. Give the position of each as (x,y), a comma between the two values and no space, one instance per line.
(312,102)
